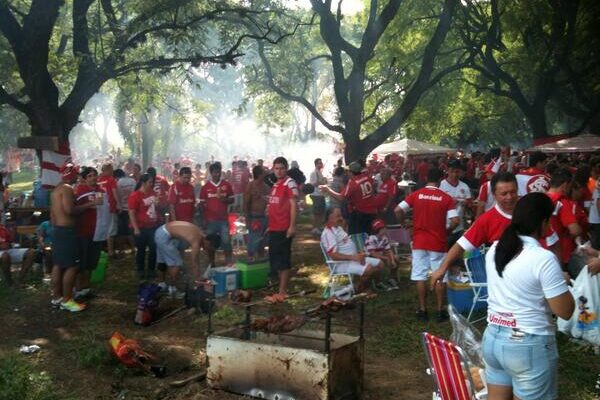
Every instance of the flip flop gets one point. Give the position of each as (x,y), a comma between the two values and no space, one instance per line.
(272,299)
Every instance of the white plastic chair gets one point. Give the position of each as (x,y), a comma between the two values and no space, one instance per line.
(333,288)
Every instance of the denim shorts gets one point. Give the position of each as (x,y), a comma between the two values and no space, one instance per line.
(220,228)
(168,249)
(524,361)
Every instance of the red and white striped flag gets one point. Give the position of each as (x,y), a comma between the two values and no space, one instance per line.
(51,163)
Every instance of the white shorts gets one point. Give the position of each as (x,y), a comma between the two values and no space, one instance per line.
(355,268)
(16,255)
(424,261)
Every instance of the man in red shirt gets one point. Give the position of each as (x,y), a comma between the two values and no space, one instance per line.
(281,212)
(386,194)
(490,225)
(161,188)
(534,178)
(182,198)
(360,194)
(92,227)
(563,220)
(240,176)
(109,185)
(432,207)
(215,197)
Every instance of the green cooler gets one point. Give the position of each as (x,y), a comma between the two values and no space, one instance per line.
(253,274)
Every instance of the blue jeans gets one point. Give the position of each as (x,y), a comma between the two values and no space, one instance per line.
(524,361)
(220,228)
(256,237)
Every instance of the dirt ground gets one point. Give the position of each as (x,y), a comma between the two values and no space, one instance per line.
(74,347)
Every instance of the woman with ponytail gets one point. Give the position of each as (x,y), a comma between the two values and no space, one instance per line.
(526,286)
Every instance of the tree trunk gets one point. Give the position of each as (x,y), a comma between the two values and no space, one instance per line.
(537,122)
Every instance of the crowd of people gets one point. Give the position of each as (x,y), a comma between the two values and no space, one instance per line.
(540,212)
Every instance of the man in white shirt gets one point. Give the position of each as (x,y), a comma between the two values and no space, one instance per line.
(460,193)
(340,247)
(317,179)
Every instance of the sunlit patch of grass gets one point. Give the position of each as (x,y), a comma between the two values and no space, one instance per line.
(19,380)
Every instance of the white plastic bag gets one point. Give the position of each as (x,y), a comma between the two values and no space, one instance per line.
(584,323)
(466,336)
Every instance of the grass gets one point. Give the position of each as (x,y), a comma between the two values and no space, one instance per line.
(20,380)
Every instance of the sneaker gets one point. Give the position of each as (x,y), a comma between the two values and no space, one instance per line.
(381,286)
(72,306)
(442,316)
(55,303)
(393,284)
(422,316)
(163,286)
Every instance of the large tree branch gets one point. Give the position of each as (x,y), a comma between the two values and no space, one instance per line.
(7,98)
(376,25)
(422,82)
(290,97)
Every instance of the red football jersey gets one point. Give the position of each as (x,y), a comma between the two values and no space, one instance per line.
(214,208)
(279,207)
(108,185)
(144,205)
(360,194)
(161,189)
(431,208)
(486,229)
(562,217)
(86,222)
(183,198)
(386,190)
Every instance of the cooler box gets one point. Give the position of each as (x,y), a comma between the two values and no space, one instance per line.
(460,295)
(253,274)
(226,279)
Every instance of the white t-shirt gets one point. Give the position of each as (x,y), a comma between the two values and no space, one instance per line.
(316,178)
(518,298)
(335,239)
(460,193)
(594,216)
(125,186)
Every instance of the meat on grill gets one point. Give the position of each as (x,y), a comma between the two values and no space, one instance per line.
(278,323)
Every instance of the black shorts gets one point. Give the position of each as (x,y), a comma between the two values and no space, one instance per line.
(65,249)
(280,251)
(318,204)
(123,224)
(89,252)
(360,222)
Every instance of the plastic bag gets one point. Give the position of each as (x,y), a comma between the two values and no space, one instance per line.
(584,324)
(466,336)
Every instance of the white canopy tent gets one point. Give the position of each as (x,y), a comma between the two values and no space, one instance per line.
(585,142)
(411,147)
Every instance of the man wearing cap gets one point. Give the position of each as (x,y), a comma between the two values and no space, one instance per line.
(359,192)
(65,247)
(378,246)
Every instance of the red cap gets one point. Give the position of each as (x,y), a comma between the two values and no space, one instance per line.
(377,225)
(69,172)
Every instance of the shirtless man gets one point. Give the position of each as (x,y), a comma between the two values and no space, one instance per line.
(65,251)
(173,237)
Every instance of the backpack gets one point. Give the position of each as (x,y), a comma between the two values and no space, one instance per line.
(147,304)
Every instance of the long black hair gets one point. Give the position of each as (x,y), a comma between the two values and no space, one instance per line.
(528,217)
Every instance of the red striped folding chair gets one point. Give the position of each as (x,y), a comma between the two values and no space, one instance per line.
(450,370)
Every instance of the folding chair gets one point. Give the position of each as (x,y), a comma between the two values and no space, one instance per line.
(475,266)
(332,286)
(400,241)
(450,369)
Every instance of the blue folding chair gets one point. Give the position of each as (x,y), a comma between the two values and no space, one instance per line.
(475,265)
